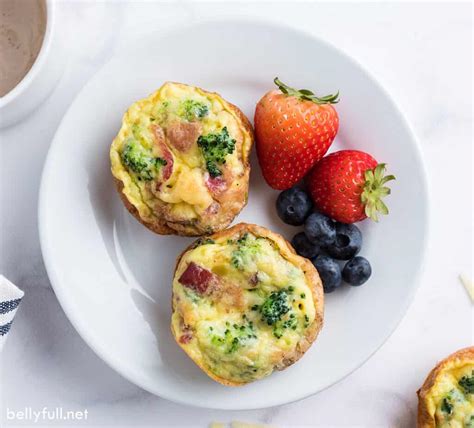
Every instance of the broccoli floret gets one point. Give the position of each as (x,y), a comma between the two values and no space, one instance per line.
(467,384)
(138,160)
(452,397)
(235,337)
(469,422)
(213,170)
(275,306)
(280,326)
(192,110)
(446,406)
(246,250)
(215,147)
(203,241)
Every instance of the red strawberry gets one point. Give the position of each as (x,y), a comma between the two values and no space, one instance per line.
(294,129)
(348,186)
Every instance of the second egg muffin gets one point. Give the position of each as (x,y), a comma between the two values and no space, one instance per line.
(245,304)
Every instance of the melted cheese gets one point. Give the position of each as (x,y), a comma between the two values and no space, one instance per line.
(448,402)
(248,275)
(185,191)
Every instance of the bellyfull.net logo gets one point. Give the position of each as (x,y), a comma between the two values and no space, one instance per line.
(46,414)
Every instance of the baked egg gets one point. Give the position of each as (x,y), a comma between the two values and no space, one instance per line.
(446,399)
(245,304)
(181,160)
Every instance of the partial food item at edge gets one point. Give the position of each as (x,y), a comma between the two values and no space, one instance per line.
(22,30)
(294,129)
(348,186)
(244,304)
(468,285)
(181,160)
(446,399)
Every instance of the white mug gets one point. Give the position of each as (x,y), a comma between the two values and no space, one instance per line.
(38,83)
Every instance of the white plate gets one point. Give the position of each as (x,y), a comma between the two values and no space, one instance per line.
(112,276)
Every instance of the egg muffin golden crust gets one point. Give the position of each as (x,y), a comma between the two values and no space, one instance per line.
(245,304)
(181,160)
(446,399)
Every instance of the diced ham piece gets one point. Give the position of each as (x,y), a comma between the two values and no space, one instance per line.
(185,338)
(197,278)
(216,185)
(182,135)
(254,279)
(164,151)
(212,209)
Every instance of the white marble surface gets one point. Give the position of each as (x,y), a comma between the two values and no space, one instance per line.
(421,52)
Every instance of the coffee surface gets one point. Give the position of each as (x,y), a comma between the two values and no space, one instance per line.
(22,28)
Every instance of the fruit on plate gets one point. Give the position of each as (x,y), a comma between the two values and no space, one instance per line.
(324,241)
(304,247)
(294,129)
(244,304)
(357,271)
(329,272)
(293,206)
(320,229)
(347,243)
(446,398)
(349,185)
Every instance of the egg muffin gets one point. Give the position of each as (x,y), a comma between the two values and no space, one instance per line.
(181,160)
(446,399)
(245,304)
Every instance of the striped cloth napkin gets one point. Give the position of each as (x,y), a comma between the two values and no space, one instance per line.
(10,298)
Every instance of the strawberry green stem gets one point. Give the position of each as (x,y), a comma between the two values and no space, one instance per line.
(306,94)
(374,191)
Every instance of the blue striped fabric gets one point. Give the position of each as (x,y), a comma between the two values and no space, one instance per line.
(4,329)
(10,298)
(9,306)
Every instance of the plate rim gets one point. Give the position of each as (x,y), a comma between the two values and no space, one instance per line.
(112,361)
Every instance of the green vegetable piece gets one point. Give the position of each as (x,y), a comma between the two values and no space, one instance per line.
(446,406)
(138,160)
(469,422)
(275,306)
(234,338)
(192,110)
(215,148)
(281,326)
(203,241)
(467,384)
(161,112)
(246,249)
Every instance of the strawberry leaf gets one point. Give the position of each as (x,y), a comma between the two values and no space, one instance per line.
(306,94)
(374,190)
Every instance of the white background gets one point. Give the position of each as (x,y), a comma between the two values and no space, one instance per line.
(421,52)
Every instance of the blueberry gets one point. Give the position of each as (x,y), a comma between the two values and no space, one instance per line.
(347,243)
(320,229)
(357,271)
(304,247)
(293,206)
(329,271)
